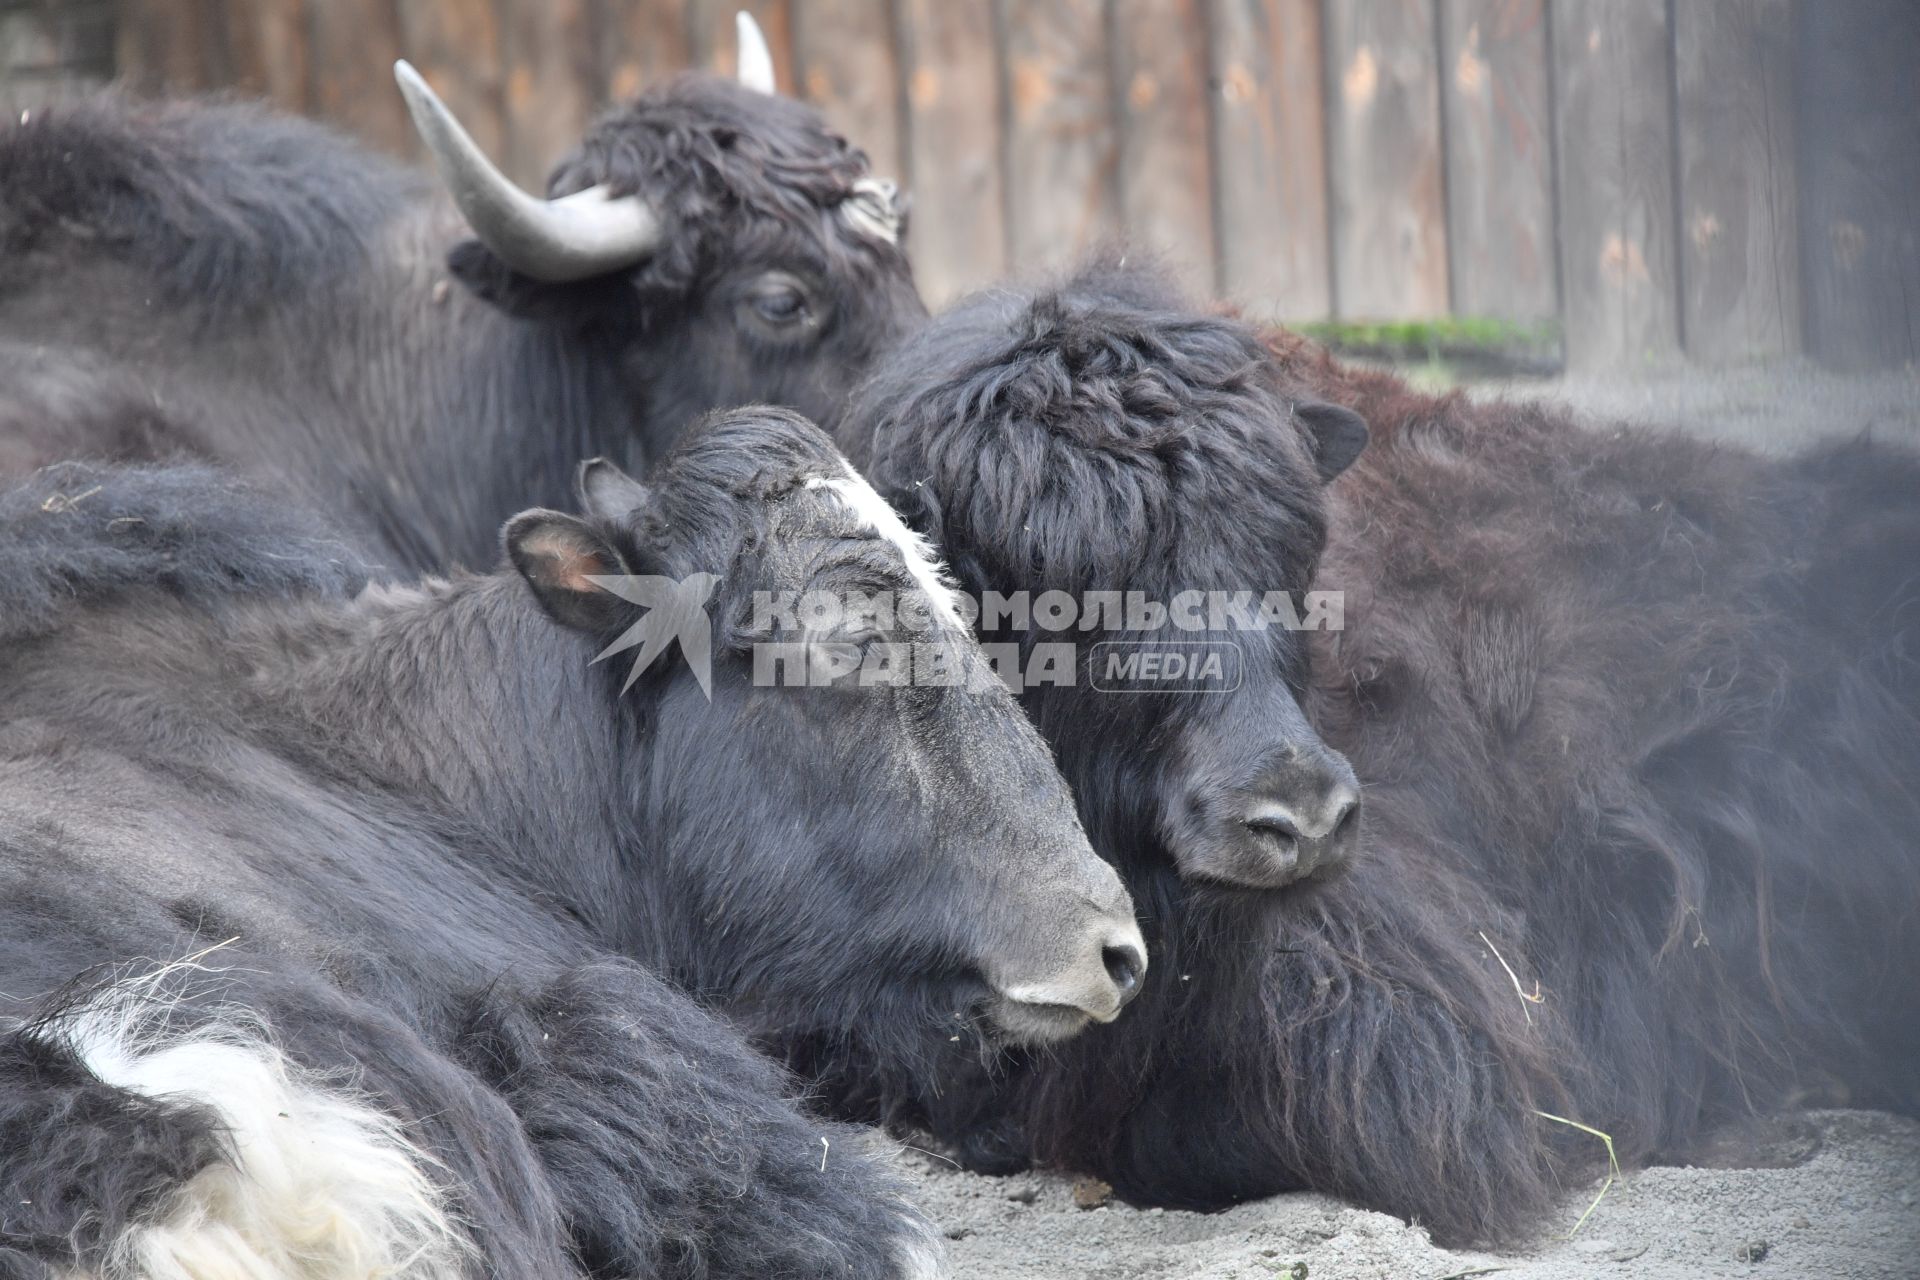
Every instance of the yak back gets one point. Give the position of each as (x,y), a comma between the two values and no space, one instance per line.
(217,204)
(1661,697)
(78,534)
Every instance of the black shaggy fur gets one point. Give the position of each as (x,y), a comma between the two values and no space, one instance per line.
(265,294)
(79,533)
(223,208)
(1636,711)
(440,846)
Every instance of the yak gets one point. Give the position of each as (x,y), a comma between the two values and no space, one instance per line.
(283,302)
(1636,719)
(354,930)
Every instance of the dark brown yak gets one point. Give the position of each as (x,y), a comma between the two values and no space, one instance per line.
(1635,715)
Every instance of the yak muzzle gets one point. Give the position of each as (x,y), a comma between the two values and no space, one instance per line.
(1103,977)
(1296,819)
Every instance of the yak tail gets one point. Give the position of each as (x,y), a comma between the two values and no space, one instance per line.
(139,1149)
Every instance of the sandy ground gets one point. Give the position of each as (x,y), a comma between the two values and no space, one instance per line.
(1772,407)
(1849,1212)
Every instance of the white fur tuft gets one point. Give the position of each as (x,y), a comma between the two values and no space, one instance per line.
(928,574)
(922,1256)
(321,1185)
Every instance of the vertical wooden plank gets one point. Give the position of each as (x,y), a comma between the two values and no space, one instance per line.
(1499,154)
(1383,146)
(1060,135)
(351,50)
(552,85)
(53,54)
(1739,271)
(269,43)
(159,46)
(1859,168)
(844,52)
(957,235)
(714,45)
(1613,140)
(1165,174)
(1270,160)
(643,42)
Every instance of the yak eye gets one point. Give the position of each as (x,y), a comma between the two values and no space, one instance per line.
(779,304)
(780,301)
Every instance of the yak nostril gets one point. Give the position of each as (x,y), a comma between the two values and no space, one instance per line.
(1346,822)
(1125,965)
(1273,823)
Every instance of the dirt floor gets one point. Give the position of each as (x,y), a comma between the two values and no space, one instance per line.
(1771,407)
(1850,1211)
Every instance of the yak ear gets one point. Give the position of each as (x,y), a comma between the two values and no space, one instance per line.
(608,492)
(559,556)
(1336,435)
(576,303)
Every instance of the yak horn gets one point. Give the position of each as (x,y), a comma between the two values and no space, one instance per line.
(756,60)
(585,234)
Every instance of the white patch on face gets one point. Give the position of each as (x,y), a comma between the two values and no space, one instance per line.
(928,573)
(321,1184)
(870,210)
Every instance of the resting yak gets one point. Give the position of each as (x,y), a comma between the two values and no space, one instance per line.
(345,933)
(272,297)
(1636,717)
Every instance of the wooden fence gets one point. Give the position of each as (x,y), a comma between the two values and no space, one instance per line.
(1630,168)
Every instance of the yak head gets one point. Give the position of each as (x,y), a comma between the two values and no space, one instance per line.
(1102,441)
(719,239)
(844,827)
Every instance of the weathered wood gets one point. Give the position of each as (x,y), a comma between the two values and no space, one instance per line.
(552,85)
(351,51)
(160,46)
(958,231)
(1060,137)
(1270,160)
(1859,168)
(643,42)
(52,54)
(1383,161)
(715,47)
(1739,268)
(844,52)
(75,37)
(1493,82)
(1165,175)
(1614,160)
(29,42)
(268,41)
(455,44)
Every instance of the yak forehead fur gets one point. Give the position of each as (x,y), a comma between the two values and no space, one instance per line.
(706,152)
(1094,435)
(922,563)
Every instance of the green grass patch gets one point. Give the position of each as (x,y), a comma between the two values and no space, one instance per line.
(1448,349)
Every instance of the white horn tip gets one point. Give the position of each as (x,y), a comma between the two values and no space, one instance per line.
(755,59)
(414,88)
